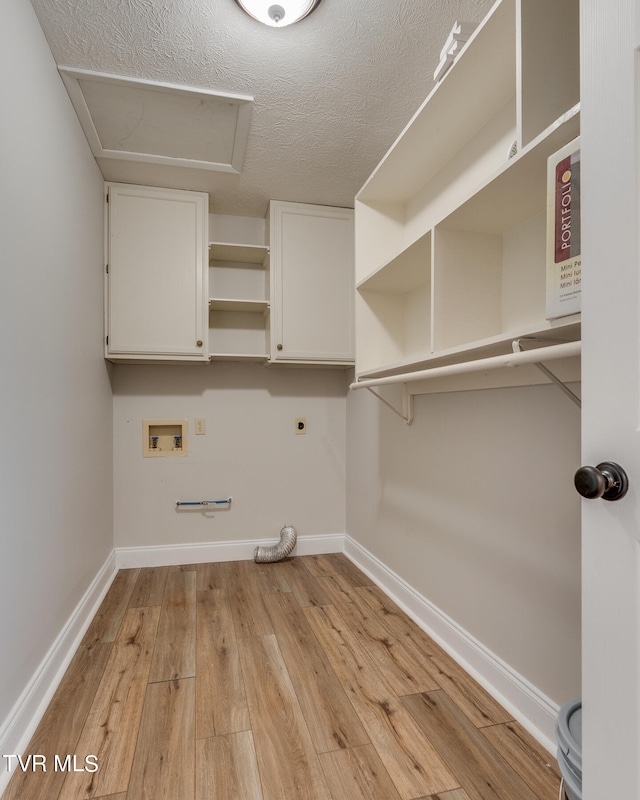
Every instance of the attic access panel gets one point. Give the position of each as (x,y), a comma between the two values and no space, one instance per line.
(160,123)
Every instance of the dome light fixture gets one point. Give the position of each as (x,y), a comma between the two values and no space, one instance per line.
(278,13)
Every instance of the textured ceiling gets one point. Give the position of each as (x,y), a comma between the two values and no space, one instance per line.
(331,93)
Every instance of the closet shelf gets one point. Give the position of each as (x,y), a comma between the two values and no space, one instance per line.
(562,330)
(228,304)
(513,359)
(403,272)
(518,189)
(238,253)
(496,206)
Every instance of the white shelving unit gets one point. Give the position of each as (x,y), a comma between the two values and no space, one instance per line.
(238,302)
(451,230)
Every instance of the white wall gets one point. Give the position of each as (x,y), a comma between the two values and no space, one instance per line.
(56,487)
(473,506)
(250,451)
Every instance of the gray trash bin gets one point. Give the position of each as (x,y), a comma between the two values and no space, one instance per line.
(569,738)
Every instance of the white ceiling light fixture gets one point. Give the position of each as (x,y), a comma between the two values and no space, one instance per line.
(278,13)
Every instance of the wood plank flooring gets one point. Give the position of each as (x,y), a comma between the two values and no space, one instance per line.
(298,680)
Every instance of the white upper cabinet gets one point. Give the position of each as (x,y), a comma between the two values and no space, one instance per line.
(451,226)
(157,274)
(312,279)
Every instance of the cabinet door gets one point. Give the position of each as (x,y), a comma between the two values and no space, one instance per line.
(312,290)
(157,274)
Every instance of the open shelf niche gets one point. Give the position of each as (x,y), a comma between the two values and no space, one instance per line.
(238,290)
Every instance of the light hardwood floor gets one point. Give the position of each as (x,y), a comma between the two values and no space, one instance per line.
(298,680)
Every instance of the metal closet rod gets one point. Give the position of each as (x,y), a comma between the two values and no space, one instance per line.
(539,354)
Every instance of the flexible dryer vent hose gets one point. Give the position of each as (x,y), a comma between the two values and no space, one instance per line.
(266,555)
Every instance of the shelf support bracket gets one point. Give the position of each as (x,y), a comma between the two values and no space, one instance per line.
(517,348)
(407,404)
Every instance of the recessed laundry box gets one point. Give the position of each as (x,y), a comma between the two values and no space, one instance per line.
(164,437)
(569,738)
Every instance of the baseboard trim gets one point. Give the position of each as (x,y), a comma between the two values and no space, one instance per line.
(23,719)
(528,705)
(205,552)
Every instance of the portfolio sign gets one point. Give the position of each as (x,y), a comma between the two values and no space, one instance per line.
(564,262)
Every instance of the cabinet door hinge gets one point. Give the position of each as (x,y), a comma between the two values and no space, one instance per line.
(107,340)
(107,269)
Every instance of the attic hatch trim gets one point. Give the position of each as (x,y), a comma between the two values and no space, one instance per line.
(233,121)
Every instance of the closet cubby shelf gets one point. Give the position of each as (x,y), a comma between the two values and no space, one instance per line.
(238,253)
(451,226)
